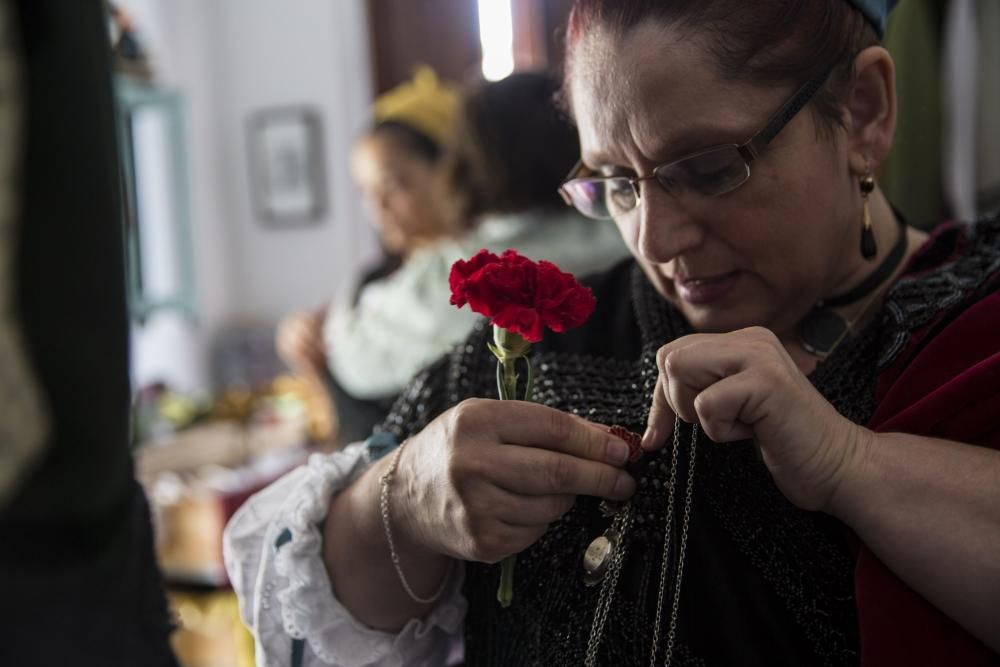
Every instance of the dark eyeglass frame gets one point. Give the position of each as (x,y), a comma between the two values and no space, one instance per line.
(749,151)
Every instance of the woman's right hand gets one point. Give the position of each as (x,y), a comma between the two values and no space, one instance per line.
(486,478)
(299,341)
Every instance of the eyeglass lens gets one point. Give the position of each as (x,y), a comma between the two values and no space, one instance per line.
(711,173)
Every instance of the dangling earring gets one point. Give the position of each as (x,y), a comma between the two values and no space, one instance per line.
(868,247)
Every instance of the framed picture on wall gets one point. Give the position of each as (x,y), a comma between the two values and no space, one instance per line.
(287,181)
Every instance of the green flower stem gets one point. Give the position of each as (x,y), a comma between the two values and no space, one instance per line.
(509,379)
(501,387)
(529,386)
(508,348)
(505,593)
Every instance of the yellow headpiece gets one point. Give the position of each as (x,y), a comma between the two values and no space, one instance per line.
(425,104)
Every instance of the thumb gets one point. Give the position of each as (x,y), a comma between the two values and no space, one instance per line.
(660,424)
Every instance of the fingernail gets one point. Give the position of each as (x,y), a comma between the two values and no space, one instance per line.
(617,451)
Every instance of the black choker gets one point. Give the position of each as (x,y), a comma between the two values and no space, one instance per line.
(822,329)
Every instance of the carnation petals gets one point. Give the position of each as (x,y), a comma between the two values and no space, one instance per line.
(462,270)
(520,295)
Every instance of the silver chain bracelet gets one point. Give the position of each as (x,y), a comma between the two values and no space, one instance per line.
(384,482)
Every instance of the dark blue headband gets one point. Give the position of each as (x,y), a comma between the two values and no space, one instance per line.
(876,11)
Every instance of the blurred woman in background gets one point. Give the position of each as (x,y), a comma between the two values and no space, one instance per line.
(398,168)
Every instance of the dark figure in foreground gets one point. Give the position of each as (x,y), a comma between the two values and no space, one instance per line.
(78,581)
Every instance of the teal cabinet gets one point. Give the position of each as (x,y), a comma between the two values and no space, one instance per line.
(157,199)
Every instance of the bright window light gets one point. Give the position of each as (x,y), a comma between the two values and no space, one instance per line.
(496,34)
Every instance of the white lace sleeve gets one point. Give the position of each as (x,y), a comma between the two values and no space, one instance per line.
(272,548)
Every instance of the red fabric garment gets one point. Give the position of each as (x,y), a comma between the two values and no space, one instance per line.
(945,384)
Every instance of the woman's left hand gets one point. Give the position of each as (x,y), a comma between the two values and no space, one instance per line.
(743,385)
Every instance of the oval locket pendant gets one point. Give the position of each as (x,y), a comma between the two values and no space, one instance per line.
(821,330)
(602,554)
(599,555)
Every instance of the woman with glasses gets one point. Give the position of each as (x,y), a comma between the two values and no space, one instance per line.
(816,384)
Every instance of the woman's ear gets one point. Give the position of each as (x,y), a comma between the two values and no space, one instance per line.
(870,108)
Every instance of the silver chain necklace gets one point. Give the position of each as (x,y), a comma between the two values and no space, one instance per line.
(604,558)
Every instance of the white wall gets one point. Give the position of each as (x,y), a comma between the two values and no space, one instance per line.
(293,52)
(230,58)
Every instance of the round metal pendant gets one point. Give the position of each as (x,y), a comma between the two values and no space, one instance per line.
(599,555)
(821,330)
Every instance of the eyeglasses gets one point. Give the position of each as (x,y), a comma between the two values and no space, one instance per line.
(711,172)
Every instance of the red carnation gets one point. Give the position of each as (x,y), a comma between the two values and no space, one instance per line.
(520,295)
(521,298)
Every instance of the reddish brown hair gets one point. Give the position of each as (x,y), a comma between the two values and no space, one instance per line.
(765,41)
